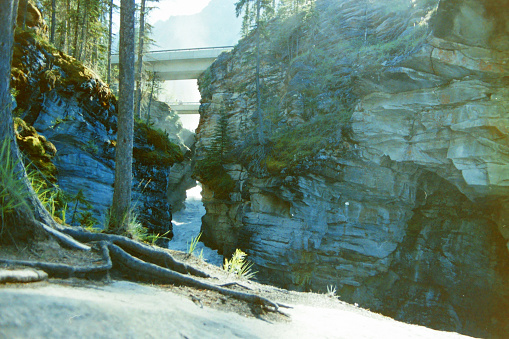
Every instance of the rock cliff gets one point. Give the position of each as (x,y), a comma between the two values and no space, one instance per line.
(75,113)
(386,167)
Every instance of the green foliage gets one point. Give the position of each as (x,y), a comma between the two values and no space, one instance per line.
(221,143)
(87,220)
(154,238)
(12,193)
(331,291)
(210,170)
(191,246)
(135,229)
(239,266)
(138,232)
(249,7)
(291,147)
(160,150)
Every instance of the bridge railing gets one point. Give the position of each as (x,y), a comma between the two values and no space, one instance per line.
(182,103)
(187,50)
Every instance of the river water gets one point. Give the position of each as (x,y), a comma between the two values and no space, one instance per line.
(187,224)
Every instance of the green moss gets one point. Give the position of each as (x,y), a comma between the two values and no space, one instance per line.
(65,72)
(293,146)
(210,171)
(160,150)
(38,150)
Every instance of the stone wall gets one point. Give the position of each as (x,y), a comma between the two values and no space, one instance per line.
(75,111)
(407,215)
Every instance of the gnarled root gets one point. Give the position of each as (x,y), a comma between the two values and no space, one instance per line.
(139,259)
(65,271)
(162,274)
(147,253)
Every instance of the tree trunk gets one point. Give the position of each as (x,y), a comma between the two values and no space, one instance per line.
(139,70)
(25,10)
(84,26)
(76,30)
(22,225)
(110,39)
(123,158)
(261,136)
(53,20)
(150,98)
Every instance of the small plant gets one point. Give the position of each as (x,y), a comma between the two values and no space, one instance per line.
(12,193)
(135,228)
(154,238)
(331,291)
(191,247)
(239,266)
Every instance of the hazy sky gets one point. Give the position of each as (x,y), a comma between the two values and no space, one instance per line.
(189,24)
(169,8)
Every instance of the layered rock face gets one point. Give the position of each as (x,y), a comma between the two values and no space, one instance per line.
(76,112)
(405,208)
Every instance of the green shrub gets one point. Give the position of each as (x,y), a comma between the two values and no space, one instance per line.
(210,171)
(290,147)
(12,192)
(191,247)
(239,266)
(160,150)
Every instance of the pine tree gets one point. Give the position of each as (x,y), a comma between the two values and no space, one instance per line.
(265,6)
(121,204)
(221,143)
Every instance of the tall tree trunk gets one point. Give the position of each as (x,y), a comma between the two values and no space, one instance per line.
(139,70)
(76,31)
(25,10)
(53,20)
(24,227)
(66,45)
(123,158)
(151,95)
(110,39)
(84,26)
(8,10)
(261,134)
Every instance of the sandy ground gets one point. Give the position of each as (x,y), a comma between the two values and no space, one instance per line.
(127,310)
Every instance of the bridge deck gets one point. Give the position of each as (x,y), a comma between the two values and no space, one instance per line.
(180,64)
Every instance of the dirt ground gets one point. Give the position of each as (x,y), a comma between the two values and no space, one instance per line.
(114,307)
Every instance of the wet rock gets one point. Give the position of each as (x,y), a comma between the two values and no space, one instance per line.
(404,209)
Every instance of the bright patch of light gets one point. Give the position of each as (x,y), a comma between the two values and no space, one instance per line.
(168,8)
(194,193)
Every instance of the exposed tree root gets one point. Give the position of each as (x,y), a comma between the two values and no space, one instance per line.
(64,239)
(159,273)
(22,276)
(145,252)
(65,271)
(121,253)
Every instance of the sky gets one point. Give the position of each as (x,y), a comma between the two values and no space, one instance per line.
(169,8)
(190,24)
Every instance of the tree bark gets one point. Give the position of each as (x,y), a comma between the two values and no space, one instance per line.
(261,134)
(8,10)
(76,31)
(119,218)
(139,70)
(53,20)
(150,98)
(25,226)
(110,39)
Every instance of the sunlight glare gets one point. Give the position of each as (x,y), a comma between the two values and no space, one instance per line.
(168,8)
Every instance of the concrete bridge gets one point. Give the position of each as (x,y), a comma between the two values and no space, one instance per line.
(185,107)
(179,64)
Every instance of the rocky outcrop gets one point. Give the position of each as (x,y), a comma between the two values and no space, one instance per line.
(74,110)
(403,205)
